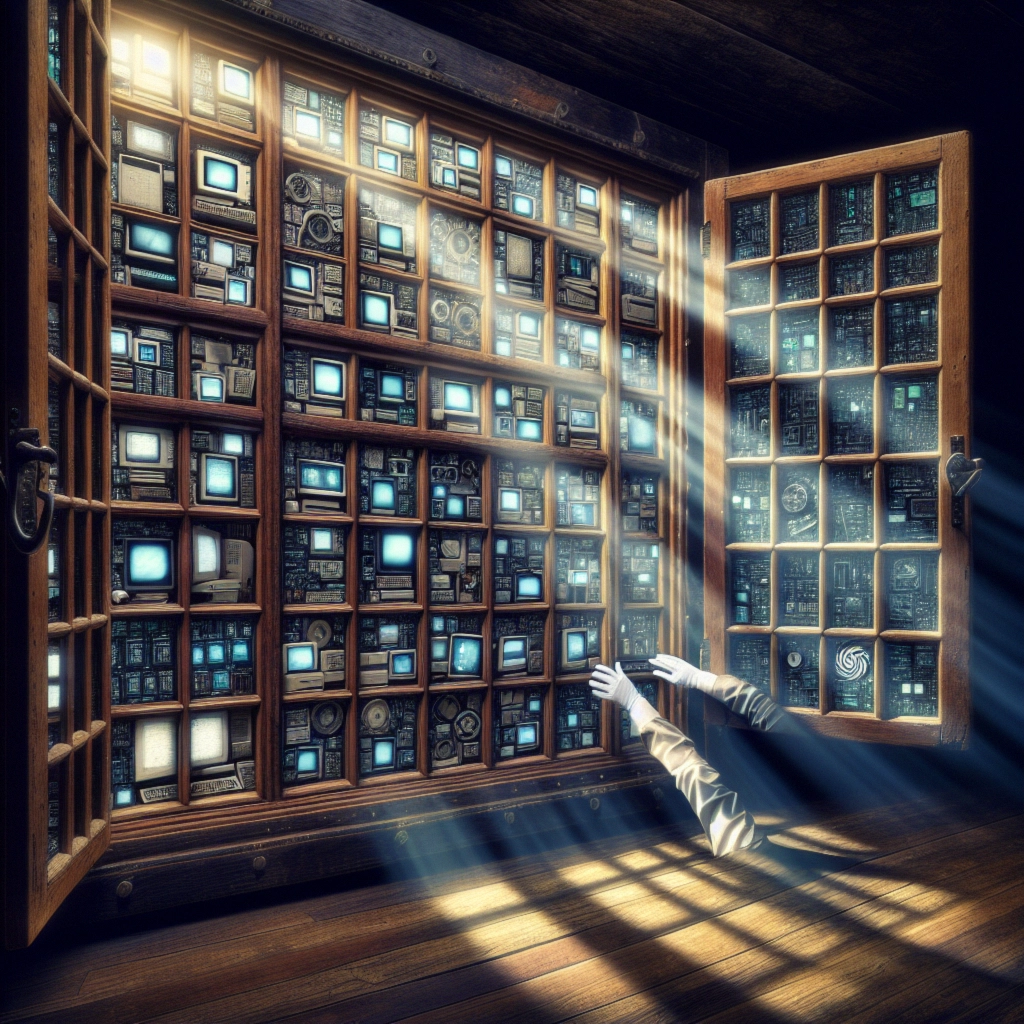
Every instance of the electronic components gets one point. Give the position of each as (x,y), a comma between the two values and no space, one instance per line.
(749,229)
(912,414)
(749,516)
(223,270)
(388,393)
(223,90)
(912,679)
(221,752)
(518,568)
(912,264)
(518,411)
(455,564)
(851,503)
(911,590)
(142,463)
(222,656)
(454,318)
(518,265)
(579,641)
(223,370)
(143,165)
(387,735)
(851,336)
(387,481)
(850,425)
(387,650)
(798,671)
(387,230)
(312,289)
(798,340)
(518,717)
(750,660)
(911,201)
(849,275)
(222,186)
(223,562)
(638,224)
(911,502)
(312,118)
(577,204)
(454,403)
(577,420)
(750,596)
(912,330)
(578,570)
(456,724)
(142,359)
(639,502)
(851,212)
(577,345)
(797,582)
(387,565)
(750,421)
(518,644)
(454,248)
(314,381)
(751,287)
(456,648)
(518,333)
(313,210)
(798,282)
(578,278)
(798,221)
(641,567)
(798,416)
(387,141)
(798,503)
(313,743)
(313,563)
(454,164)
(638,427)
(222,468)
(749,345)
(313,652)
(518,186)
(143,254)
(313,475)
(518,492)
(455,481)
(638,639)
(142,660)
(142,559)
(577,497)
(850,589)
(577,717)
(387,306)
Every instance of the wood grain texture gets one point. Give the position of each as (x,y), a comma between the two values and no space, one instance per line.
(900,912)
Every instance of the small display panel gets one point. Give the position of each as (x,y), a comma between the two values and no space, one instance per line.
(456,647)
(639,502)
(387,306)
(749,513)
(750,287)
(750,421)
(578,570)
(798,341)
(517,643)
(313,743)
(750,222)
(142,359)
(388,393)
(313,563)
(223,90)
(638,366)
(577,497)
(312,118)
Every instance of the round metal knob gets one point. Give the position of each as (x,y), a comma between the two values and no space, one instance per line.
(124,889)
(510,816)
(259,863)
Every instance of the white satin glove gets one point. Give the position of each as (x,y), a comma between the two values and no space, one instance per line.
(682,673)
(613,684)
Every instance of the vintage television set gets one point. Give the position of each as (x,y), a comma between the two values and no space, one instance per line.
(529,585)
(395,565)
(223,177)
(573,650)
(150,242)
(326,379)
(320,485)
(383,496)
(218,478)
(156,748)
(465,655)
(300,667)
(148,568)
(222,567)
(402,666)
(455,405)
(513,653)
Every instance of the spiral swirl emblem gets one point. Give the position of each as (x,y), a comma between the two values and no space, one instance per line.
(852,662)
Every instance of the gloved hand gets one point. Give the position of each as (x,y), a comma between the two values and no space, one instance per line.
(682,673)
(613,684)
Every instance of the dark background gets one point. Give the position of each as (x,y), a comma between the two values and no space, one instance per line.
(779,81)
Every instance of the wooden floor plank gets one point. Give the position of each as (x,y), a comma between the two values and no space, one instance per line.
(625,928)
(698,945)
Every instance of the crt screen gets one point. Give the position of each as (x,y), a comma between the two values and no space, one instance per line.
(301,658)
(148,563)
(466,655)
(396,551)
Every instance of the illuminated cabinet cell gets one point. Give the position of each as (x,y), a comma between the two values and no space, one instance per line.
(312,118)
(750,589)
(912,330)
(577,718)
(912,679)
(851,339)
(750,660)
(387,481)
(313,210)
(144,760)
(313,477)
(518,568)
(223,89)
(797,583)
(455,482)
(455,164)
(578,641)
(577,204)
(749,345)
(798,671)
(638,224)
(850,425)
(851,212)
(387,735)
(387,565)
(456,648)
(517,643)
(142,660)
(313,655)
(222,656)
(313,743)
(455,319)
(851,504)
(387,230)
(638,639)
(913,264)
(851,677)
(455,564)
(518,186)
(849,584)
(143,359)
(749,509)
(313,563)
(911,590)
(750,421)
(911,502)
(798,341)
(223,183)
(911,414)
(144,164)
(387,142)
(388,654)
(750,229)
(749,287)
(518,717)
(456,724)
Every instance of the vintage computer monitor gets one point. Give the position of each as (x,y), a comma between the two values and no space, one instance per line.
(308,125)
(308,762)
(583,422)
(152,242)
(390,387)
(320,485)
(209,386)
(527,736)
(232,444)
(222,176)
(218,479)
(574,649)
(398,134)
(402,666)
(238,561)
(460,401)
(383,496)
(439,647)
(455,506)
(206,554)
(209,743)
(238,291)
(529,430)
(145,447)
(466,655)
(582,513)
(326,379)
(467,157)
(579,577)
(241,651)
(396,551)
(140,182)
(641,435)
(156,748)
(299,667)
(325,540)
(148,565)
(375,313)
(586,196)
(512,652)
(144,138)
(529,585)
(528,326)
(121,347)
(510,503)
(522,206)
(390,239)
(235,83)
(152,69)
(383,753)
(146,352)
(298,280)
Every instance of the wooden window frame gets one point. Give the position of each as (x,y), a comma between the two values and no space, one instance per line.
(951,153)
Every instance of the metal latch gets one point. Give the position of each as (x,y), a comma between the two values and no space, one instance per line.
(962,473)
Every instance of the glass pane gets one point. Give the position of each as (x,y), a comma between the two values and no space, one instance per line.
(750,589)
(798,671)
(142,660)
(912,502)
(750,517)
(911,590)
(798,340)
(798,281)
(797,588)
(750,660)
(750,429)
(850,426)
(912,414)
(851,274)
(751,233)
(850,581)
(912,679)
(851,677)
(638,639)
(799,221)
(222,656)
(912,201)
(750,287)
(798,503)
(749,345)
(851,504)
(798,416)
(577,718)
(912,330)
(851,212)
(916,264)
(851,336)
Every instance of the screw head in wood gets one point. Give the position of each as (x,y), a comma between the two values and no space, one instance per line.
(401,837)
(510,817)
(562,109)
(259,863)
(429,57)
(124,889)
(595,803)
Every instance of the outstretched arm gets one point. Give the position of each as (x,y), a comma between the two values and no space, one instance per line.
(760,711)
(728,826)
